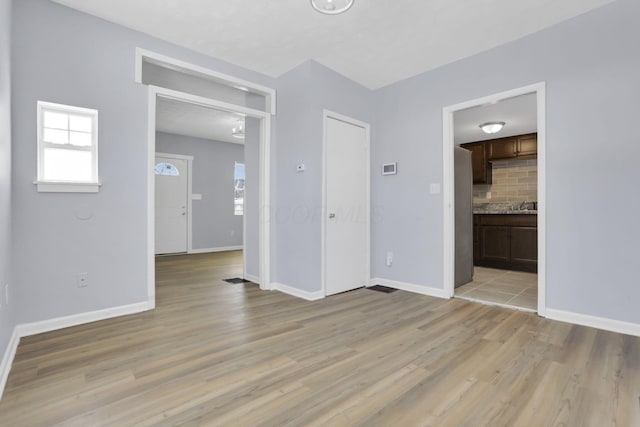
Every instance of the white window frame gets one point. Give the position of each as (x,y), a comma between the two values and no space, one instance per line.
(49,186)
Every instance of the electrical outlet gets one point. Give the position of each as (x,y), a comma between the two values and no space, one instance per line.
(82,280)
(389,259)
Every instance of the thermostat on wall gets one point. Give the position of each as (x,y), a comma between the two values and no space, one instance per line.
(389,169)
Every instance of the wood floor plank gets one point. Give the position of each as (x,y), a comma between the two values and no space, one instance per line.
(213,353)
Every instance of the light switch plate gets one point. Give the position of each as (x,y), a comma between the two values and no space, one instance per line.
(434,188)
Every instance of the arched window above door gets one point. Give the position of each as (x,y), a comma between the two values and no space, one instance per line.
(166,168)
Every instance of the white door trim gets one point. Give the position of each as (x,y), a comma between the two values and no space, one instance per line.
(189,160)
(264,179)
(448,185)
(143,55)
(326,114)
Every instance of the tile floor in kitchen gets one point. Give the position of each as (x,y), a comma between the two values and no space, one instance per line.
(514,288)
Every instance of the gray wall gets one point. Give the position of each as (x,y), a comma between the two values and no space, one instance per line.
(6,312)
(96,71)
(591,66)
(303,93)
(214,224)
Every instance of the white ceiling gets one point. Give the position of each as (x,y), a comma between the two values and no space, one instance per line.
(182,118)
(375,43)
(519,114)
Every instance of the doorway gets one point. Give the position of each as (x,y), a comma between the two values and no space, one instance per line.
(515,241)
(259,242)
(346,221)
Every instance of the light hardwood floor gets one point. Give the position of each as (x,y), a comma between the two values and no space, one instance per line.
(231,355)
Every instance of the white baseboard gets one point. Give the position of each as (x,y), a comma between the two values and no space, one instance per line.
(254,279)
(211,250)
(594,322)
(309,296)
(26,329)
(411,287)
(7,359)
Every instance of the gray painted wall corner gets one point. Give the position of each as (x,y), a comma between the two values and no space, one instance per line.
(303,94)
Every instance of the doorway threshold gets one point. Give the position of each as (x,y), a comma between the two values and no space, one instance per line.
(495,304)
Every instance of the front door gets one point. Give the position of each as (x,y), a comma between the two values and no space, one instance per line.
(171,205)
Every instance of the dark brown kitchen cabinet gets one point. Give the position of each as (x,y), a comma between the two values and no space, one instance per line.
(494,243)
(484,152)
(528,145)
(524,245)
(480,165)
(513,147)
(506,241)
(503,148)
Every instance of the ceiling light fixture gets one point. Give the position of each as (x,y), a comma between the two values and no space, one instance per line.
(238,131)
(492,127)
(331,7)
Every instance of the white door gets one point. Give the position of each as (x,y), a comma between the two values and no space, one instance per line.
(347,215)
(171,205)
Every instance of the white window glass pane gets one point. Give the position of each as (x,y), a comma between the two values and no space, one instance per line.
(80,123)
(238,171)
(55,136)
(238,207)
(238,184)
(67,165)
(80,139)
(56,120)
(167,169)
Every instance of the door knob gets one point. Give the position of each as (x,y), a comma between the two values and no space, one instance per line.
(332,215)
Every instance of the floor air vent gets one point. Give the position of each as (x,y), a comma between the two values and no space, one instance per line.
(380,288)
(237,280)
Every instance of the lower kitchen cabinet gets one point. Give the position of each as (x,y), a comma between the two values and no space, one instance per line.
(494,243)
(506,241)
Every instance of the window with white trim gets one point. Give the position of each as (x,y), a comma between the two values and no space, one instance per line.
(238,189)
(67,148)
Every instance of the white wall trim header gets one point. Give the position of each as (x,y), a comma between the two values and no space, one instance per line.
(143,55)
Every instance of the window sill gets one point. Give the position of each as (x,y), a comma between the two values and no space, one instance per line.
(67,187)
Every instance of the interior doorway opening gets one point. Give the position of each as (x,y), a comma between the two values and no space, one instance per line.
(495,200)
(235,219)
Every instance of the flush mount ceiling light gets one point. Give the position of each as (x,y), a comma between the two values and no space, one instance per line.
(331,7)
(492,127)
(238,130)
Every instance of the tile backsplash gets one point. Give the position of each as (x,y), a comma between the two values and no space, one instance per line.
(513,181)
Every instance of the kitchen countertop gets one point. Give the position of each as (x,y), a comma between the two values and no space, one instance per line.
(504,212)
(505,208)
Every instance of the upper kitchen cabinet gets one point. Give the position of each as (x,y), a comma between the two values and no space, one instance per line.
(513,147)
(479,162)
(528,145)
(503,148)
